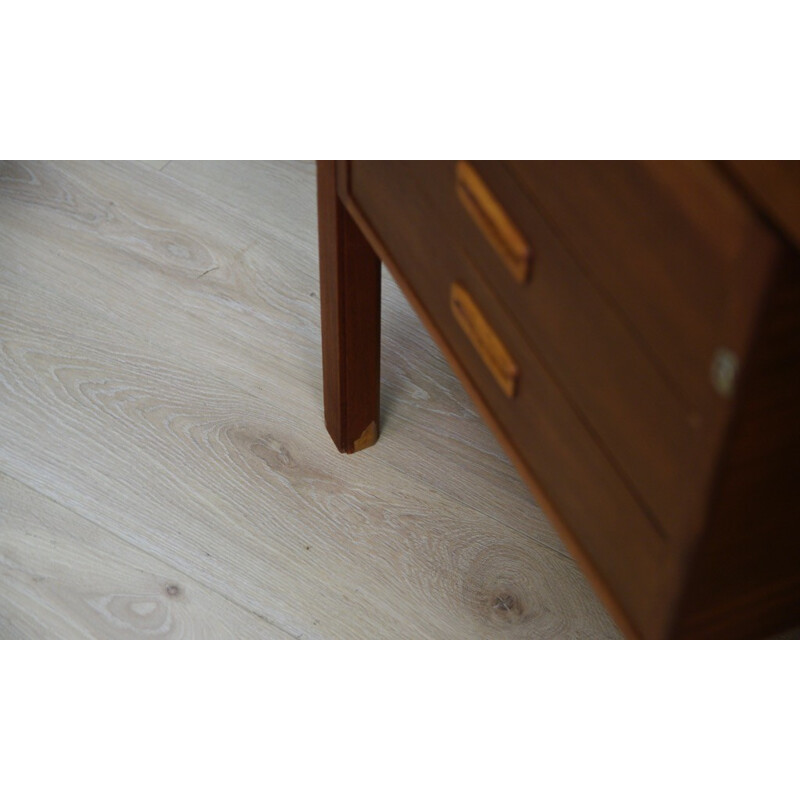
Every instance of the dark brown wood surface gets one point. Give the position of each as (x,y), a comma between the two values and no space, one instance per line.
(655,349)
(774,187)
(672,245)
(350,303)
(649,430)
(561,457)
(745,578)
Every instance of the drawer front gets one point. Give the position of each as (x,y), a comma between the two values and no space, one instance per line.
(674,247)
(569,465)
(650,431)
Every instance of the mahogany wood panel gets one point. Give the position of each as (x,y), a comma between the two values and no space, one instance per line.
(649,429)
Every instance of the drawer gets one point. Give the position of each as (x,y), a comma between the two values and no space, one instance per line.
(652,434)
(673,246)
(550,437)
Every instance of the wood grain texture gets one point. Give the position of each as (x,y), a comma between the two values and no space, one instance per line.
(63,577)
(250,276)
(160,378)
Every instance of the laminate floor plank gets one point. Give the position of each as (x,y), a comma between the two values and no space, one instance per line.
(124,298)
(274,195)
(63,577)
(245,499)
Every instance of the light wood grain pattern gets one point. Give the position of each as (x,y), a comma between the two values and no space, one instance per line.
(64,577)
(256,288)
(160,378)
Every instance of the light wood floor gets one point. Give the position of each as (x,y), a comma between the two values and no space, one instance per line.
(164,468)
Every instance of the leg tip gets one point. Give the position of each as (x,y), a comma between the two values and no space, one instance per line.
(367,438)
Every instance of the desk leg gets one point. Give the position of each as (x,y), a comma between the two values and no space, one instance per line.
(350,296)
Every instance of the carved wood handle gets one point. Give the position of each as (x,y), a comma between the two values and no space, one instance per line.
(492,351)
(493,220)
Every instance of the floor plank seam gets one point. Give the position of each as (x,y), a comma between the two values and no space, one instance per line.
(156,557)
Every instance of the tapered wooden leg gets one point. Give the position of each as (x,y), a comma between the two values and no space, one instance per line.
(350,295)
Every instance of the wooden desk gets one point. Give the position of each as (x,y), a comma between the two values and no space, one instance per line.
(631,333)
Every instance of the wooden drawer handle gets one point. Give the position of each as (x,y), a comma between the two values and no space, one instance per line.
(483,338)
(492,219)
